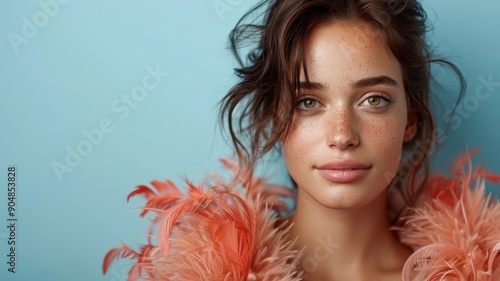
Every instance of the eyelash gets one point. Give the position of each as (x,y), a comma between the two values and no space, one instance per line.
(301,101)
(383,96)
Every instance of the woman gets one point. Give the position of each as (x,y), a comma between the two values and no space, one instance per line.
(342,88)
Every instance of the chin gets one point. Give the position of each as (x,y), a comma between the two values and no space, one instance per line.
(341,198)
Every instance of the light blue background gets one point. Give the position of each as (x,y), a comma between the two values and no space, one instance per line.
(66,78)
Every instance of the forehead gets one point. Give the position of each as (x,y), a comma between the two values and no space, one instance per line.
(352,49)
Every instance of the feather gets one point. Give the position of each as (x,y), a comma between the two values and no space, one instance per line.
(167,194)
(217,231)
(232,230)
(456,235)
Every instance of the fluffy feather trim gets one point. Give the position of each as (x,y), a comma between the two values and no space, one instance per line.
(231,231)
(456,235)
(222,231)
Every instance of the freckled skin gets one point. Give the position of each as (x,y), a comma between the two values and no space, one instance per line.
(341,119)
(343,126)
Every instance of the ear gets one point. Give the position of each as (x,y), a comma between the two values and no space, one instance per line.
(411,126)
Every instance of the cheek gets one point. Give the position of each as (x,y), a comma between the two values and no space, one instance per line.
(294,144)
(392,127)
(299,144)
(391,133)
(302,134)
(389,140)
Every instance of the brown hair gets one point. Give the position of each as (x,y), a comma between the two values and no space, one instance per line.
(259,109)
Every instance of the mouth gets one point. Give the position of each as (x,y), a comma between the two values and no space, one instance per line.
(343,171)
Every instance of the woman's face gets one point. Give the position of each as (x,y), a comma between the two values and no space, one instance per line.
(347,133)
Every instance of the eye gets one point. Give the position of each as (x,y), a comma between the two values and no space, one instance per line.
(308,103)
(378,100)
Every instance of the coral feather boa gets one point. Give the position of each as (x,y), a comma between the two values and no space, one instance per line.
(232,231)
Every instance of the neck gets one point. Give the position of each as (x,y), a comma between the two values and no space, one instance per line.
(346,242)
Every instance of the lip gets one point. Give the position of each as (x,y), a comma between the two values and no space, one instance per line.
(343,171)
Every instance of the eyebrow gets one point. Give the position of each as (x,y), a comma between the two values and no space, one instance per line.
(362,83)
(311,86)
(377,80)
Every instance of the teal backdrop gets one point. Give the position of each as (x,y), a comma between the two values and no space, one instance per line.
(100,96)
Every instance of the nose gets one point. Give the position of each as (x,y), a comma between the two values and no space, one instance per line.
(341,129)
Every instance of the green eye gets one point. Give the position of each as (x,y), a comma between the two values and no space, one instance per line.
(374,100)
(306,104)
(309,103)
